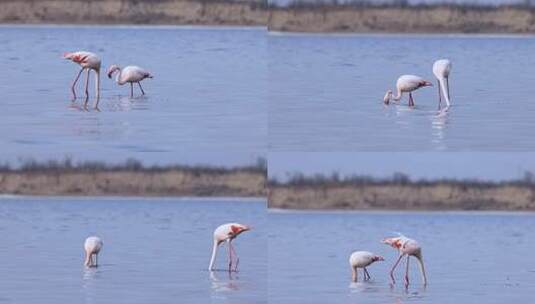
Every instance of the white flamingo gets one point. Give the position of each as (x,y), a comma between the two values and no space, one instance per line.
(227,233)
(362,259)
(131,74)
(442,69)
(92,246)
(406,84)
(89,61)
(406,247)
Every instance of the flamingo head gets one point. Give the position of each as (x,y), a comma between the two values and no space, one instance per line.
(68,55)
(394,242)
(426,83)
(239,228)
(387,97)
(112,70)
(378,258)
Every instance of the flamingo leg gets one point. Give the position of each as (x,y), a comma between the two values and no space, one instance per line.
(394,268)
(448,87)
(411,101)
(407,272)
(96,260)
(439,95)
(354,274)
(229,257)
(131,90)
(74,84)
(236,256)
(367,274)
(142,92)
(87,88)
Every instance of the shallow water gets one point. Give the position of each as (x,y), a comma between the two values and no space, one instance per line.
(470,258)
(155,251)
(326,93)
(209,91)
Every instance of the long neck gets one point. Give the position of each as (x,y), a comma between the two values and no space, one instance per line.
(87,258)
(398,96)
(214,253)
(422,268)
(445,90)
(97,83)
(118,76)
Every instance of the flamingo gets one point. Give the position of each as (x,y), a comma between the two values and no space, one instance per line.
(442,69)
(92,246)
(362,259)
(227,232)
(132,74)
(407,84)
(89,61)
(406,247)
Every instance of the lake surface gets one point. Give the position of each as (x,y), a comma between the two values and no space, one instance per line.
(155,250)
(208,92)
(326,93)
(469,257)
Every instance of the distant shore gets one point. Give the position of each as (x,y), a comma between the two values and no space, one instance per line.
(406,195)
(172,12)
(323,18)
(132,179)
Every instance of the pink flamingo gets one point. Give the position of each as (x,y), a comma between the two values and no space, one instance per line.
(92,246)
(362,259)
(132,74)
(89,61)
(227,233)
(406,84)
(406,247)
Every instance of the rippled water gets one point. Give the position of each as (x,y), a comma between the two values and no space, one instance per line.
(155,251)
(208,91)
(325,93)
(470,258)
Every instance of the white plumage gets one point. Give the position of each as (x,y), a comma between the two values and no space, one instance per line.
(406,84)
(227,233)
(442,69)
(92,246)
(129,74)
(362,259)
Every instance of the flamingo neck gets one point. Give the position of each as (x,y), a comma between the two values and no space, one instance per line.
(398,96)
(214,253)
(118,76)
(97,83)
(445,90)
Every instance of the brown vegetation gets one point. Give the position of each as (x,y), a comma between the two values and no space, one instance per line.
(402,194)
(131,179)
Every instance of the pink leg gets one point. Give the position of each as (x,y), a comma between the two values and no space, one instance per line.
(394,267)
(235,255)
(131,90)
(74,84)
(142,92)
(229,257)
(411,101)
(87,88)
(407,273)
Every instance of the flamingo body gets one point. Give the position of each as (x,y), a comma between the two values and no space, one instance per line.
(406,84)
(442,69)
(92,246)
(362,259)
(227,233)
(406,247)
(88,61)
(129,74)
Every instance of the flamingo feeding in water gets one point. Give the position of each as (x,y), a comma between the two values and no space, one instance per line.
(406,247)
(89,61)
(227,233)
(92,246)
(406,84)
(362,259)
(442,69)
(132,74)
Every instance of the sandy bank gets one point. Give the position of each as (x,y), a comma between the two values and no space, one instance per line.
(172,182)
(404,197)
(181,12)
(434,19)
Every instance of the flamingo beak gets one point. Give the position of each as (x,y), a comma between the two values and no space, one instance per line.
(428,84)
(379,258)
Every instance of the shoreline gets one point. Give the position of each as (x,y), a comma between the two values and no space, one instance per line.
(333,19)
